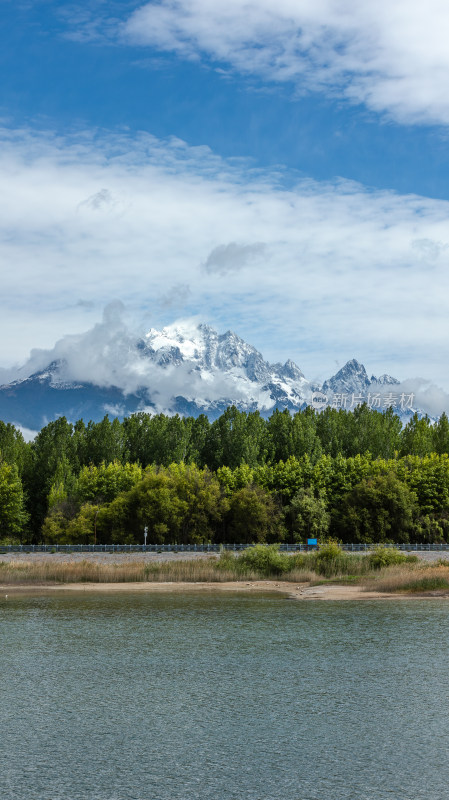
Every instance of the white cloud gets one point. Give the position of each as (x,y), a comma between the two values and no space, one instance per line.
(111,355)
(27,433)
(344,272)
(391,55)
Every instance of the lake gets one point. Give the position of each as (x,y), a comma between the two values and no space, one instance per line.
(218,697)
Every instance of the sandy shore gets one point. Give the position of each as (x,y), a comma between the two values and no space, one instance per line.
(291,590)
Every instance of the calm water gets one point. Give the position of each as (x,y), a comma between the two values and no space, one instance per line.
(147,697)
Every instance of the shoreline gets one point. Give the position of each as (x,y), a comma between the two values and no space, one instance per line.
(294,592)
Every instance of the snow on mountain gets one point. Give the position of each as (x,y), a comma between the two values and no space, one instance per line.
(208,351)
(184,368)
(353,378)
(225,362)
(384,380)
(350,378)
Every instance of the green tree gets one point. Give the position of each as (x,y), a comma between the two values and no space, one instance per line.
(103,442)
(198,431)
(235,438)
(13,448)
(416,437)
(53,444)
(253,516)
(372,431)
(331,427)
(440,435)
(179,504)
(379,509)
(308,516)
(13,516)
(104,482)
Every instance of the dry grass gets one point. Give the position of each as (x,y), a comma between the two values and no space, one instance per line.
(406,577)
(42,572)
(301,576)
(410,578)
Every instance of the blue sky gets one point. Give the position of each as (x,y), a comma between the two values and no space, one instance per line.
(278,168)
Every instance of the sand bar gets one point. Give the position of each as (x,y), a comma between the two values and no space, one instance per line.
(293,591)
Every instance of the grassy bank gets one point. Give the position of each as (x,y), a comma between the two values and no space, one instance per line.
(45,572)
(411,578)
(385,570)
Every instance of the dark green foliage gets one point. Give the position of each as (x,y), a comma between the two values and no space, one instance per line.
(235,438)
(352,475)
(180,504)
(378,509)
(12,511)
(263,559)
(296,435)
(387,556)
(53,445)
(417,437)
(307,516)
(253,516)
(440,435)
(13,448)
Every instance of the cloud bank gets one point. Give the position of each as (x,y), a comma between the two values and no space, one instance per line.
(343,272)
(391,56)
(109,355)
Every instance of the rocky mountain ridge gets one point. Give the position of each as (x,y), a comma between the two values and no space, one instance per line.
(184,368)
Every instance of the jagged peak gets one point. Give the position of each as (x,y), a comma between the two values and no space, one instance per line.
(187,365)
(353,366)
(352,375)
(384,380)
(291,370)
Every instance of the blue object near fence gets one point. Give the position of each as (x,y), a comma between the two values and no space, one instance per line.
(202,548)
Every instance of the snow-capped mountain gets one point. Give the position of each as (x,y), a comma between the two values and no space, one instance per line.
(184,368)
(354,378)
(209,351)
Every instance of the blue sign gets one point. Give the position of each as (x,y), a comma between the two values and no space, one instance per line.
(312,541)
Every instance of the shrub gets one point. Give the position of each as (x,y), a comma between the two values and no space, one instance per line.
(386,557)
(329,552)
(330,561)
(264,559)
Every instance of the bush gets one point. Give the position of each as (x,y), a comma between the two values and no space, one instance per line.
(330,561)
(387,557)
(263,559)
(9,540)
(329,552)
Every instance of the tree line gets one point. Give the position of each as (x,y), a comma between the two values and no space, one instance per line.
(358,476)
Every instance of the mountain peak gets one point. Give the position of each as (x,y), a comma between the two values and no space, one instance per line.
(186,368)
(352,377)
(384,380)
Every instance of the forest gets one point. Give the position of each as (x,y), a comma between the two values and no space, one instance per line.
(356,476)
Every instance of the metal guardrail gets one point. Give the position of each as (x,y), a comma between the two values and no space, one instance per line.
(197,548)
